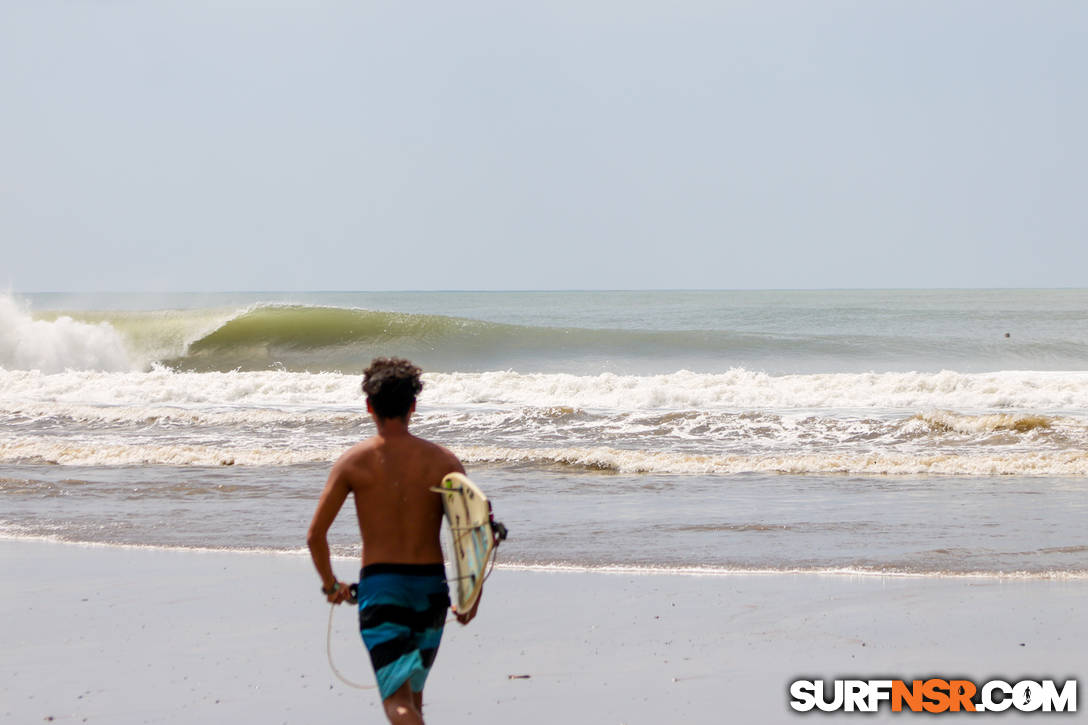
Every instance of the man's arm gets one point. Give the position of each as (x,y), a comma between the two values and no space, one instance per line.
(332,499)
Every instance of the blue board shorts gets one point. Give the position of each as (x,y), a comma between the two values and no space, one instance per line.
(402,611)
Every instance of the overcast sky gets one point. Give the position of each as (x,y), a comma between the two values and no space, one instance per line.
(550,145)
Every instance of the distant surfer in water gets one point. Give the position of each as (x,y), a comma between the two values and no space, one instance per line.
(402,594)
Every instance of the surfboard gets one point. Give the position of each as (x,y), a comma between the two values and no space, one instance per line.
(474,534)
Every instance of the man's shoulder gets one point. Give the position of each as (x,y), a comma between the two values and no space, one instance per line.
(431,445)
(359,452)
(438,451)
(373,445)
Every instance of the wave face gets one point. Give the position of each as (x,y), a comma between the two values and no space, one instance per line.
(328,338)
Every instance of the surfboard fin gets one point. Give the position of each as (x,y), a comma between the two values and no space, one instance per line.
(497,529)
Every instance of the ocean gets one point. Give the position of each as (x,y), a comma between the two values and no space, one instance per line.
(882,432)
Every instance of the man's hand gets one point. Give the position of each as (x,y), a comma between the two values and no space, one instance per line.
(341,594)
(466,617)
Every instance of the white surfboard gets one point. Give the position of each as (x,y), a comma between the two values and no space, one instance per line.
(473,534)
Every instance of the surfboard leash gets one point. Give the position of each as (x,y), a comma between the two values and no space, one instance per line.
(328,645)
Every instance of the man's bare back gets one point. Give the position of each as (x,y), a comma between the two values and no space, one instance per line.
(391,475)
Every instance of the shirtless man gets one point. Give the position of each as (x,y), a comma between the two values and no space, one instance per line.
(403,596)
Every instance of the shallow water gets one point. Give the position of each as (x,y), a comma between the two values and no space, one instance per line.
(571,517)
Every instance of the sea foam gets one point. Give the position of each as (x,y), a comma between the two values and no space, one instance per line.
(42,449)
(737,389)
(57,345)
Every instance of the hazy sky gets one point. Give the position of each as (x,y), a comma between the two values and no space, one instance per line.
(505,145)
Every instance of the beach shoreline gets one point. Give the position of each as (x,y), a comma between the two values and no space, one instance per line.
(128,635)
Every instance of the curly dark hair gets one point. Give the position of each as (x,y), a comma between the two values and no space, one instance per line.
(391,385)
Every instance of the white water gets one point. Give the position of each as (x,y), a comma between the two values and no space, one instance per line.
(737,389)
(54,346)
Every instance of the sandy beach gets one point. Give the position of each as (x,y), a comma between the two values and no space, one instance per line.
(134,635)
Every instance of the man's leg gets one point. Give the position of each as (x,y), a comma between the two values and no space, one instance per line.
(403,706)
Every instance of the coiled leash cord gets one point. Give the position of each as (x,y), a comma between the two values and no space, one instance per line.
(328,644)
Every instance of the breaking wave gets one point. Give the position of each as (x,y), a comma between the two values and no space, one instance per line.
(57,344)
(327,338)
(315,338)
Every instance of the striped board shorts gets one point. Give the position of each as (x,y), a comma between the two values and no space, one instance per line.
(402,611)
